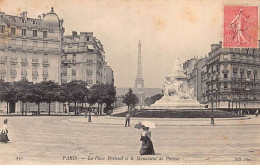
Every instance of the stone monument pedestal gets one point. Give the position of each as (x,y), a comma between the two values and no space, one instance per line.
(165,103)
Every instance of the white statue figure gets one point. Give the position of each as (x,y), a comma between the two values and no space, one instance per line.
(175,86)
(177,94)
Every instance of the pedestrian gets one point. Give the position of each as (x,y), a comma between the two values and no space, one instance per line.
(256,113)
(147,144)
(4,137)
(127,119)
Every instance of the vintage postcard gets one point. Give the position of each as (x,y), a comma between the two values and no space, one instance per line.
(129,82)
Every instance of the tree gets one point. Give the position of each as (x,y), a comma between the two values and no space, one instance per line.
(51,91)
(109,96)
(153,99)
(62,95)
(77,93)
(102,93)
(9,95)
(5,87)
(24,92)
(38,95)
(130,99)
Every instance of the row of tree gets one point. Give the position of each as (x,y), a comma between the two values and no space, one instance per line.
(49,92)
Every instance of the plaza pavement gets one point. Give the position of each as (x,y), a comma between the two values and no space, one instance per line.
(73,140)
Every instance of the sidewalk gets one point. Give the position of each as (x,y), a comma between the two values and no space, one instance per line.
(110,120)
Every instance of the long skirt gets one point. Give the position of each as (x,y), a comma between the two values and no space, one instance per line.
(4,138)
(147,146)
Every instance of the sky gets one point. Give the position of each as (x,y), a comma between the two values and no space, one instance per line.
(167,29)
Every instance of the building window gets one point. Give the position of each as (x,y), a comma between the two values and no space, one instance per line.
(34,33)
(74,58)
(23,43)
(45,45)
(44,34)
(12,31)
(225,85)
(2,29)
(74,72)
(234,70)
(225,75)
(23,32)
(35,44)
(87,38)
(45,71)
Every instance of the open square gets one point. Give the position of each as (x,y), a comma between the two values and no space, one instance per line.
(72,140)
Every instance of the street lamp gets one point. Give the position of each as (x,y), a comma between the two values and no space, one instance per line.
(239,98)
(89,109)
(212,118)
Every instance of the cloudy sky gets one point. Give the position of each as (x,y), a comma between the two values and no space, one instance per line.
(168,29)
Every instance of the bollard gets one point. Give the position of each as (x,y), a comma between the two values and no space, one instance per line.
(212,121)
(89,117)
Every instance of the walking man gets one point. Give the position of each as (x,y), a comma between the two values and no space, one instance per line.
(127,119)
(256,113)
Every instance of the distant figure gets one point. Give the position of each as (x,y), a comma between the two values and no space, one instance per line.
(147,145)
(256,113)
(127,119)
(3,136)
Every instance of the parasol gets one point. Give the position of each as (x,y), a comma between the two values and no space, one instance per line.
(145,124)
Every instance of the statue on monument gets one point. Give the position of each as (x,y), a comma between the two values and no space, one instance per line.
(175,86)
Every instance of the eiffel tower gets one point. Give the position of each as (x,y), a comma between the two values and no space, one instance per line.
(139,88)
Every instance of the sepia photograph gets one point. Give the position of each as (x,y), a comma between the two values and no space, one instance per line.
(129,82)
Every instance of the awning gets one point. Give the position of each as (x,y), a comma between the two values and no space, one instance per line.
(90,47)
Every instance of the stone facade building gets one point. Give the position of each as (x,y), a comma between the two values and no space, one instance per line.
(37,50)
(109,75)
(30,48)
(83,59)
(233,77)
(228,78)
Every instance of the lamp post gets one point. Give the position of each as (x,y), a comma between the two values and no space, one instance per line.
(239,103)
(89,109)
(212,118)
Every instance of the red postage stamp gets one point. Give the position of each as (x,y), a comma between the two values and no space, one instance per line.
(240,26)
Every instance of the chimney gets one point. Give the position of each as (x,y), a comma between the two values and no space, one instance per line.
(39,17)
(24,15)
(43,15)
(220,44)
(74,33)
(214,46)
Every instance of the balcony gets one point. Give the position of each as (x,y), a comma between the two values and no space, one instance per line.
(34,61)
(13,61)
(3,46)
(2,71)
(13,72)
(24,61)
(75,50)
(24,73)
(3,59)
(34,73)
(45,62)
(45,74)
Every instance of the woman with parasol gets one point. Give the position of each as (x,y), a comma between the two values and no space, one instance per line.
(147,144)
(3,136)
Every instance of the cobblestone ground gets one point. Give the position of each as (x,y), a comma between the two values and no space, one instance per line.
(57,140)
